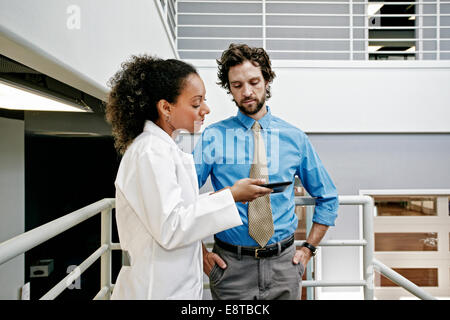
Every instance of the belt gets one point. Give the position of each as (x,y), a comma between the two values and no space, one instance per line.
(266,252)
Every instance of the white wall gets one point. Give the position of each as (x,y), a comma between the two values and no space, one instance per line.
(350,96)
(12,202)
(44,35)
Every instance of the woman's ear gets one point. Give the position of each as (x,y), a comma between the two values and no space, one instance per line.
(164,108)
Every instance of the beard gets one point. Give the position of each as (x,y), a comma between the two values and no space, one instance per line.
(250,110)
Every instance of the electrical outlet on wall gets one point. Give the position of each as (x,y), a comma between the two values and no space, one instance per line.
(41,268)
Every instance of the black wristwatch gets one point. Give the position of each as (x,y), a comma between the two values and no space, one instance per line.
(310,247)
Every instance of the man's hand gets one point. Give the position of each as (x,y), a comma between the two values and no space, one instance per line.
(315,236)
(302,256)
(210,259)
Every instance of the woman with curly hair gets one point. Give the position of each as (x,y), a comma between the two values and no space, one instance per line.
(161,218)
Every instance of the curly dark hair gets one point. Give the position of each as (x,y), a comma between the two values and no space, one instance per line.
(237,54)
(136,89)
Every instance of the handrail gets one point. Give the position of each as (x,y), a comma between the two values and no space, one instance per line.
(369,262)
(367,243)
(325,283)
(28,240)
(13,247)
(71,277)
(325,243)
(402,281)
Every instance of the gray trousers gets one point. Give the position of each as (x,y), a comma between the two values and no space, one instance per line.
(249,278)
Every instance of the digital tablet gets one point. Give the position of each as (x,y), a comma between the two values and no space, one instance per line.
(277,186)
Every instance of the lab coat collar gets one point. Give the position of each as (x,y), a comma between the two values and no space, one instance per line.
(151,127)
(186,158)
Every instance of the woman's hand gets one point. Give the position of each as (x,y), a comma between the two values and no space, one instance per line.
(248,189)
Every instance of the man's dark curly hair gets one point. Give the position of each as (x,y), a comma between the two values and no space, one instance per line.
(136,89)
(237,54)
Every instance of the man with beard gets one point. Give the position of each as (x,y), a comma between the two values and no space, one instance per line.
(258,260)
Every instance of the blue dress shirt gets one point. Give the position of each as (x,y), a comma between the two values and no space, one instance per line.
(225,151)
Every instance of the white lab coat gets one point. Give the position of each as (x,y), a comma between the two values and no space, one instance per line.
(161,219)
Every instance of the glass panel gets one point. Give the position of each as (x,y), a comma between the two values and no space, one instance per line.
(405,205)
(406,241)
(423,277)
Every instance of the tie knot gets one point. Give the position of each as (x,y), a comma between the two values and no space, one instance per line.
(256,126)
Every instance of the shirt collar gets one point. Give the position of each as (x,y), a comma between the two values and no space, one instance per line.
(151,127)
(248,122)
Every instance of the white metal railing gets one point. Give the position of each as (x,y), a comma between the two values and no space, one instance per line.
(367,243)
(401,281)
(20,244)
(205,28)
(370,264)
(28,240)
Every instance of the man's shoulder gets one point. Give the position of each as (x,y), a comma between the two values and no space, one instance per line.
(283,124)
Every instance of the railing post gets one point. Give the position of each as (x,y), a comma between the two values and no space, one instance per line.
(105,261)
(368,249)
(310,266)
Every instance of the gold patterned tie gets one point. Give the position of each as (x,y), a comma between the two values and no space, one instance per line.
(260,222)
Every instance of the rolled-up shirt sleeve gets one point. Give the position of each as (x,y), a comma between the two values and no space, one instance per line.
(318,183)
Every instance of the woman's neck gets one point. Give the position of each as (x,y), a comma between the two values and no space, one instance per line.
(167,127)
